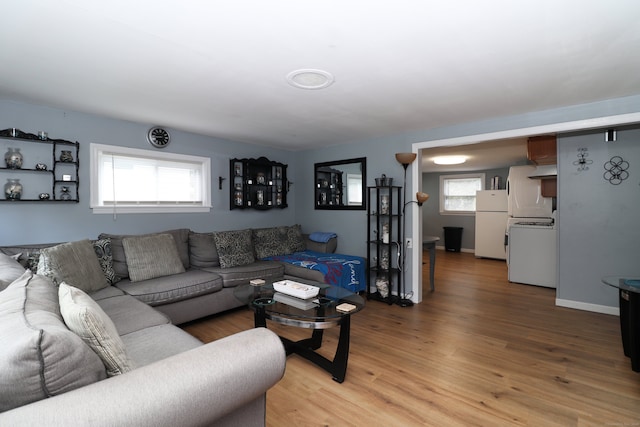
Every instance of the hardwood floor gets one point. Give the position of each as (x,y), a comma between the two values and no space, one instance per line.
(479,351)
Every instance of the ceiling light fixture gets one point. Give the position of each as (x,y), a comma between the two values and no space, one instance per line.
(310,79)
(449,160)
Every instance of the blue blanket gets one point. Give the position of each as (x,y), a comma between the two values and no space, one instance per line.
(346,271)
(322,237)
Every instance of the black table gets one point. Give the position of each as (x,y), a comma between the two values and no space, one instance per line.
(629,316)
(316,313)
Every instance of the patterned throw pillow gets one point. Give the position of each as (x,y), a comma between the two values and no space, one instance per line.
(295,241)
(234,248)
(271,241)
(105,258)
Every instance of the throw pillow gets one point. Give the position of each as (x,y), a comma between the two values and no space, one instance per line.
(39,356)
(75,263)
(10,270)
(85,317)
(295,241)
(180,235)
(234,248)
(151,256)
(102,248)
(202,250)
(271,241)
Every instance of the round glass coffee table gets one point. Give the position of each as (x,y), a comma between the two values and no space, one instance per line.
(318,313)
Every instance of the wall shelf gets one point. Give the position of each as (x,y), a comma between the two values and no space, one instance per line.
(62,173)
(257,184)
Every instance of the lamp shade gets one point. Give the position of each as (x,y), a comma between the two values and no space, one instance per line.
(405,158)
(421,197)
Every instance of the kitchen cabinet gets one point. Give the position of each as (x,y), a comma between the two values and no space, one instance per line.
(541,150)
(258,184)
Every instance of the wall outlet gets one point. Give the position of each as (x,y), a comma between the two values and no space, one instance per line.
(409,243)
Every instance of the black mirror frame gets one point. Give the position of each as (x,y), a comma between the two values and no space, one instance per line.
(317,185)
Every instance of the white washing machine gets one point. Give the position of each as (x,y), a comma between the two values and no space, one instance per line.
(532,253)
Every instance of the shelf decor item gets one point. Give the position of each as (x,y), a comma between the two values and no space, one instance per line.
(64,193)
(13,158)
(66,156)
(13,189)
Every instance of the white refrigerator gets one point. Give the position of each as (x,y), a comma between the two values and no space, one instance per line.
(491,223)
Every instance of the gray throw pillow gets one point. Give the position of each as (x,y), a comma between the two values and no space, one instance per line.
(202,250)
(180,235)
(39,356)
(75,263)
(10,270)
(152,256)
(235,248)
(85,317)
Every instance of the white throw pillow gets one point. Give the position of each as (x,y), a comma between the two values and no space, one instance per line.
(85,317)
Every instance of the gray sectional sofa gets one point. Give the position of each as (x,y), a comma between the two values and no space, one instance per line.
(92,329)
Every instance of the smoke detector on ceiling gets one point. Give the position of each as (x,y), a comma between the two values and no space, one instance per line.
(310,79)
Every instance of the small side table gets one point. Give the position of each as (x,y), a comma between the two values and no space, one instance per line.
(429,242)
(629,316)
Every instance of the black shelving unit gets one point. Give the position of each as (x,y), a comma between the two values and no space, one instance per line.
(61,173)
(257,184)
(330,191)
(384,243)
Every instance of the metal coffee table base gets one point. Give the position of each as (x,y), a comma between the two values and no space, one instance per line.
(306,347)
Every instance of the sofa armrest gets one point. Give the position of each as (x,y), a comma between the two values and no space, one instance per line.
(196,387)
(327,248)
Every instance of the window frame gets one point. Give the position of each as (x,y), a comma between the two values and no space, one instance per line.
(97,150)
(443,178)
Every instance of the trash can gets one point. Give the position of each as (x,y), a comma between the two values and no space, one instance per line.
(452,238)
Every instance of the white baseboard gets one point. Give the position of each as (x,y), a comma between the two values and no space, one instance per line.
(596,308)
(470,251)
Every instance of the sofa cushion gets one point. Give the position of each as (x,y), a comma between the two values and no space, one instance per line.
(202,250)
(271,241)
(168,289)
(158,342)
(181,237)
(234,276)
(75,263)
(39,356)
(10,270)
(234,248)
(102,248)
(130,315)
(152,256)
(85,317)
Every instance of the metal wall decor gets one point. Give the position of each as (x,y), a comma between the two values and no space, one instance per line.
(616,170)
(583,163)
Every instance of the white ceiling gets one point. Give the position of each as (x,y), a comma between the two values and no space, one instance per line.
(218,67)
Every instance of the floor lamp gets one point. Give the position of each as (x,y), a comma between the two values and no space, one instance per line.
(405,159)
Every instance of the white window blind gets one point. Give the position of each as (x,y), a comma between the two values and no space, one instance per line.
(458,193)
(126,180)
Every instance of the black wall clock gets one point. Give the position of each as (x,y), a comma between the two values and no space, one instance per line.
(158,137)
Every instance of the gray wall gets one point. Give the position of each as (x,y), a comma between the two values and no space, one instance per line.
(433,222)
(54,222)
(599,231)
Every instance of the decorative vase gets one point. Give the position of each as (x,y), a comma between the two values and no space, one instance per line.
(66,156)
(13,189)
(13,158)
(65,195)
(382,285)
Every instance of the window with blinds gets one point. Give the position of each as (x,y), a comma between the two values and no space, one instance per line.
(458,193)
(127,180)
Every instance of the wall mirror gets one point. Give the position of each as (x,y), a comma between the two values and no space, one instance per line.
(340,185)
